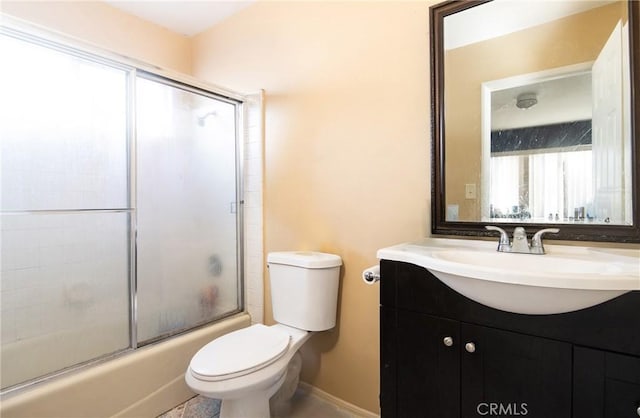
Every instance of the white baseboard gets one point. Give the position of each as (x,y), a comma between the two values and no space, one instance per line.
(355,410)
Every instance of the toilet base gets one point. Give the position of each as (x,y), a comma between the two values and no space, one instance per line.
(280,402)
(254,405)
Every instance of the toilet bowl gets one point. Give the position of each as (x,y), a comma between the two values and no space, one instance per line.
(245,393)
(247,367)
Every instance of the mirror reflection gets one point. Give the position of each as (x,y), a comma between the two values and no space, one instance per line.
(537,113)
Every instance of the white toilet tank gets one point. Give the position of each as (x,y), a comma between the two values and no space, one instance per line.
(304,288)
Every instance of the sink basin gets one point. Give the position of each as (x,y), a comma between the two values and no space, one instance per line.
(565,279)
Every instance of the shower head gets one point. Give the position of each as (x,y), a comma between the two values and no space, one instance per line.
(203,118)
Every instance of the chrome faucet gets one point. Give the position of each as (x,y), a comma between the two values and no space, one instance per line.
(519,244)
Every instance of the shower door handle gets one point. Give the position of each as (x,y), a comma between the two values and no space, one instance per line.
(233,206)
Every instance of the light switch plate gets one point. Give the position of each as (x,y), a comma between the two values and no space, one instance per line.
(470,191)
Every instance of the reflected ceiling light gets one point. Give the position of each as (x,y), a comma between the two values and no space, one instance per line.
(526,100)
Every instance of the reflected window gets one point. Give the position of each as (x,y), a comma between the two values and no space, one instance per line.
(546,186)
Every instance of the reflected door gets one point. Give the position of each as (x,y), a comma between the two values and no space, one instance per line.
(608,141)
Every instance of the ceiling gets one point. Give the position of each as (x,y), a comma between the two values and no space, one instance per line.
(501,17)
(190,17)
(560,99)
(184,17)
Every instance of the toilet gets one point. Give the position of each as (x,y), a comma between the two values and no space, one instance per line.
(245,368)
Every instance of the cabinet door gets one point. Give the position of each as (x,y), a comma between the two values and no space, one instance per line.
(388,355)
(510,374)
(428,367)
(606,385)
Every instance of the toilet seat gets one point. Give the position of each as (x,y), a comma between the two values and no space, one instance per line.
(239,353)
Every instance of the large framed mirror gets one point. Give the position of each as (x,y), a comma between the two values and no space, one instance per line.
(534,117)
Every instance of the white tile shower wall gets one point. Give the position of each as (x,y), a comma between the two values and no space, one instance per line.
(63,290)
(253,242)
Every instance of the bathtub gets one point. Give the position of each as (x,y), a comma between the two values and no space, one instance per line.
(142,383)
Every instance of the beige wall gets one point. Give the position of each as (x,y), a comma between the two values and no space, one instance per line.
(347,149)
(109,28)
(540,48)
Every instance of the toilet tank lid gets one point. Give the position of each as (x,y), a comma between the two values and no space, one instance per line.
(306,259)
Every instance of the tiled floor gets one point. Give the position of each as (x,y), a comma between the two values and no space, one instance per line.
(302,405)
(198,407)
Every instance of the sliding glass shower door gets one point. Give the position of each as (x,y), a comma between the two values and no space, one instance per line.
(119,208)
(187,246)
(64,248)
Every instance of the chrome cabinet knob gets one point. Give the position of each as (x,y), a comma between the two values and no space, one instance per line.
(638,411)
(470,347)
(448,341)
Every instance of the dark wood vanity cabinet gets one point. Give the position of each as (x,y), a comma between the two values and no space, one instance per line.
(456,369)
(445,356)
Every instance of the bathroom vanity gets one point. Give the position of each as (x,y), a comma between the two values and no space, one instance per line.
(467,331)
(444,355)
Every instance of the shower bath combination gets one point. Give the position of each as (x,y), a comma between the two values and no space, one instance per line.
(115,218)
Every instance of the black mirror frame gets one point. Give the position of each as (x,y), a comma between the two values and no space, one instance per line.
(571,232)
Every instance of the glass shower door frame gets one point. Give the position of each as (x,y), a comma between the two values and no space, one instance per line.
(133,69)
(191,86)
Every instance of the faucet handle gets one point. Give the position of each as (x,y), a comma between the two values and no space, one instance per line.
(536,241)
(504,237)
